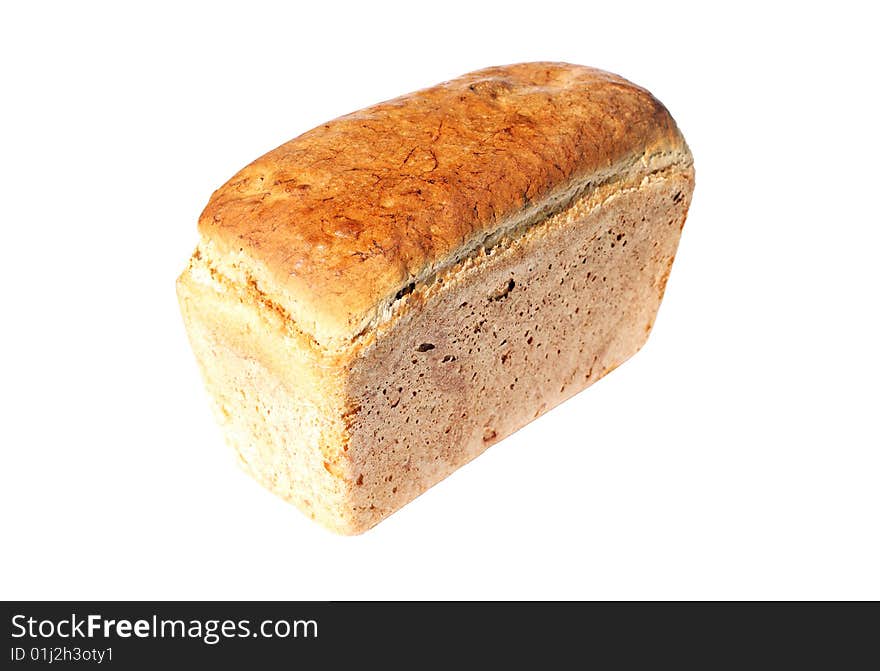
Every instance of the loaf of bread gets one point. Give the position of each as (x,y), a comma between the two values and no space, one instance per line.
(377,301)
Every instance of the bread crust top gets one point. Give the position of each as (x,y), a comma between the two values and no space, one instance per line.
(339,221)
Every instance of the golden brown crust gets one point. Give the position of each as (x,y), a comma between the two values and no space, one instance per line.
(343,217)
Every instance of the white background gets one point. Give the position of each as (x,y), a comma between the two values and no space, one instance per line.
(736,456)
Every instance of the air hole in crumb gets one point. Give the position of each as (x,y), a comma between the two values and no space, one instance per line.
(502,293)
(425,347)
(489,434)
(360,480)
(448,358)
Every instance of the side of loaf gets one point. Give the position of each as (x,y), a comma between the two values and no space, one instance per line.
(359,349)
